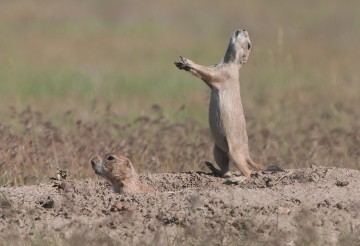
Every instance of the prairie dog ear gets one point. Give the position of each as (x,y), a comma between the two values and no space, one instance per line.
(127,162)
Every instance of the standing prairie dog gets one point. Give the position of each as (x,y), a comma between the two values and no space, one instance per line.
(120,172)
(226,114)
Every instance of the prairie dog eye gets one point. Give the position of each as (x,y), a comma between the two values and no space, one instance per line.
(249,46)
(110,158)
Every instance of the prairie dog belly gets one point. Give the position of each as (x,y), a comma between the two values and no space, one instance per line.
(226,117)
(216,121)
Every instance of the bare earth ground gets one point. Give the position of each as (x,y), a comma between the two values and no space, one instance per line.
(315,205)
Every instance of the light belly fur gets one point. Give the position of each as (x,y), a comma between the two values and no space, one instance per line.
(226,118)
(216,120)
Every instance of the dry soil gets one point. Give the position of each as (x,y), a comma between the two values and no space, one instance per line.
(316,205)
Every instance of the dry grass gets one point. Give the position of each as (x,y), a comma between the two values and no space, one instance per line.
(154,144)
(33,147)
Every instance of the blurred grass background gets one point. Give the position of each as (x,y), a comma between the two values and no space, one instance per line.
(300,87)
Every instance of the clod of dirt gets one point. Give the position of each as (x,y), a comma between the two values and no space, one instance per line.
(342,183)
(60,185)
(339,205)
(48,203)
(118,206)
(284,210)
(4,203)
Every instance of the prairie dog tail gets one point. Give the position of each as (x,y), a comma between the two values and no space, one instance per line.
(261,167)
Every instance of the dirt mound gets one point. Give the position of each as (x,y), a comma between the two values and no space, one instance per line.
(315,205)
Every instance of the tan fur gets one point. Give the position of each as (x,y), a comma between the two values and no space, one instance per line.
(120,172)
(226,115)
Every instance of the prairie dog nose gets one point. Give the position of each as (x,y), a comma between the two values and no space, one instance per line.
(245,33)
(95,161)
(242,32)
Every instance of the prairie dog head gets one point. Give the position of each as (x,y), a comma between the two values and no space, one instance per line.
(113,167)
(239,48)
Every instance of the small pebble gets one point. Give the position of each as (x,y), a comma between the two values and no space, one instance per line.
(339,206)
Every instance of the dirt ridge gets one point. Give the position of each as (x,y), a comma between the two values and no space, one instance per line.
(317,204)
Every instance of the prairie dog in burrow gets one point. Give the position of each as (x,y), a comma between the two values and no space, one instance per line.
(226,114)
(120,172)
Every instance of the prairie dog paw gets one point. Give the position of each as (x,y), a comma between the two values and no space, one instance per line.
(184,64)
